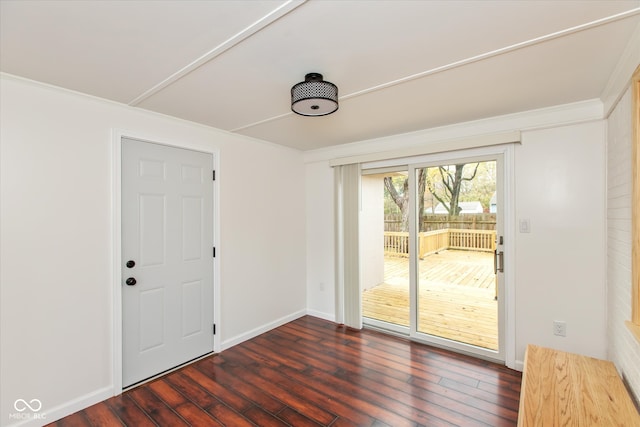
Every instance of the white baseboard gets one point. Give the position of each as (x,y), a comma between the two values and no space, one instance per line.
(519,365)
(320,315)
(261,330)
(47,416)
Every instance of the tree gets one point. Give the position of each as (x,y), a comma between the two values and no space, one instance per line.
(483,186)
(452,178)
(401,197)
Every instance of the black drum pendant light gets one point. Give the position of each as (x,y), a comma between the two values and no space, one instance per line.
(314,96)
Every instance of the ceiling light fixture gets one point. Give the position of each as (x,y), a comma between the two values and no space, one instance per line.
(314,96)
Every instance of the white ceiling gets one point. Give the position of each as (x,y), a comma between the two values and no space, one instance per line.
(400,66)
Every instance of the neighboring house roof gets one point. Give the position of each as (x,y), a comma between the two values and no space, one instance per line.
(467,207)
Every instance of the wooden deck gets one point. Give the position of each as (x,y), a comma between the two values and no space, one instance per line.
(456,296)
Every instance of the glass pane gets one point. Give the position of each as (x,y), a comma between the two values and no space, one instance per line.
(385,247)
(456,239)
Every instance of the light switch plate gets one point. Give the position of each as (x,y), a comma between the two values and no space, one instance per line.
(525,226)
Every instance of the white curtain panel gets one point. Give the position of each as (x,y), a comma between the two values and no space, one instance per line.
(347,205)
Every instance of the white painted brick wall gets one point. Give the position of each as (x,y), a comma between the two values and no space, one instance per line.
(624,349)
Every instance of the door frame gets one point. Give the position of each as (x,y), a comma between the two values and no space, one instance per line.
(117,135)
(507,291)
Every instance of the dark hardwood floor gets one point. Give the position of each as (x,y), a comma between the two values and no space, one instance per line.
(311,372)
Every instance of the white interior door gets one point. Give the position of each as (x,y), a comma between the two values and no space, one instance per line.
(167,258)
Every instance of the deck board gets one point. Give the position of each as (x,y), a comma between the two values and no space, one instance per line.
(456,298)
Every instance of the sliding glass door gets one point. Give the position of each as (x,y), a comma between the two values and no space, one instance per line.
(432,245)
(384,248)
(457,226)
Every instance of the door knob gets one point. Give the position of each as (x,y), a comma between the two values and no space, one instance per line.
(131,263)
(130,281)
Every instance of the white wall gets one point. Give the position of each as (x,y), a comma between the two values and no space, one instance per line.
(624,348)
(560,264)
(56,243)
(320,241)
(559,187)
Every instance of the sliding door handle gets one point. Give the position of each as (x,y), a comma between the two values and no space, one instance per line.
(498,266)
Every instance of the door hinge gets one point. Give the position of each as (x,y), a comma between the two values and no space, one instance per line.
(214,175)
(214,251)
(214,329)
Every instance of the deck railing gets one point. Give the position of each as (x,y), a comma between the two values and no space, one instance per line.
(433,241)
(477,240)
(397,243)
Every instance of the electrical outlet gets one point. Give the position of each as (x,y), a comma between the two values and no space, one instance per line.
(559,328)
(321,286)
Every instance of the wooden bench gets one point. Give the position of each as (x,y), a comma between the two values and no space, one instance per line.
(565,389)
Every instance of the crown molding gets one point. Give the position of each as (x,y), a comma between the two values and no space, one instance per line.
(559,115)
(621,76)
